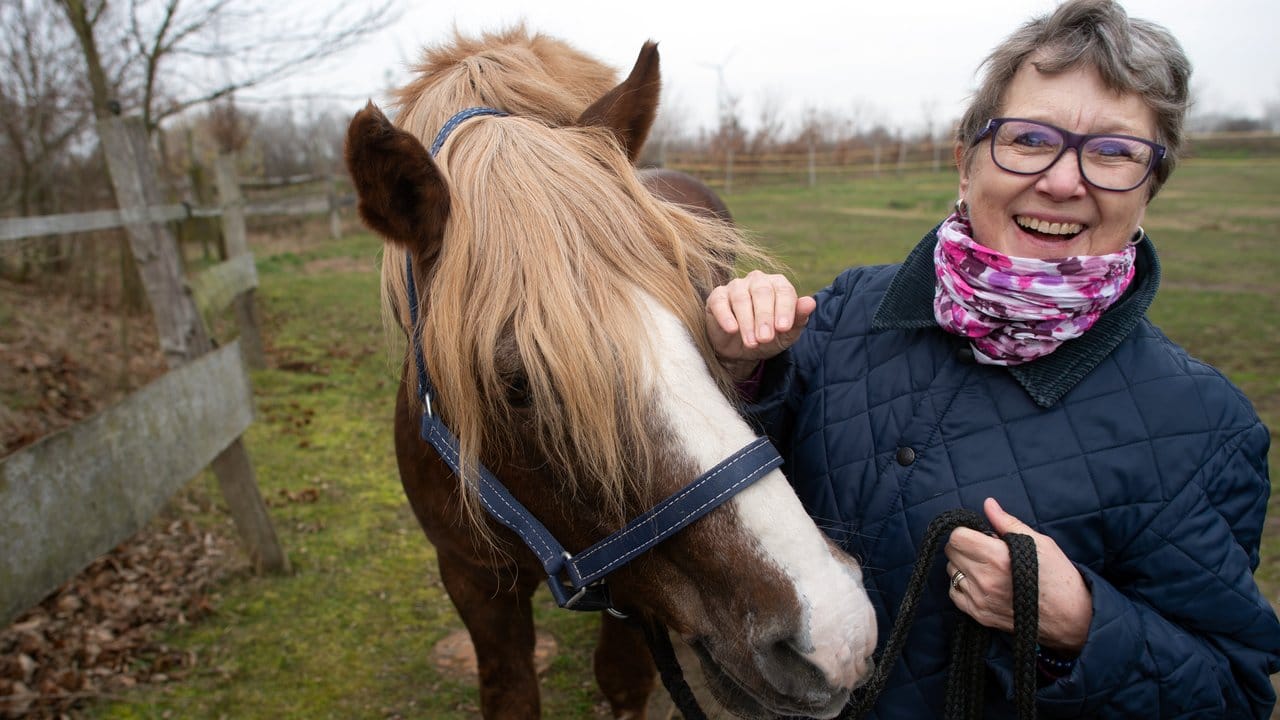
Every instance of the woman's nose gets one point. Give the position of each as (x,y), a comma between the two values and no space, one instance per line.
(1063,179)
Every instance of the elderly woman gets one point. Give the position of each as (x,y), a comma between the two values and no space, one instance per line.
(1008,365)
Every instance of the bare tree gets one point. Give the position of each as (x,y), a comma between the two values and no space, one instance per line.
(43,108)
(770,122)
(932,125)
(298,143)
(1271,113)
(228,126)
(183,53)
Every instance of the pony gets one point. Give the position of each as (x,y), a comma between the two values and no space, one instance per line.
(560,316)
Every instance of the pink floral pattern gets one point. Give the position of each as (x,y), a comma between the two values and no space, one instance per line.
(1014,309)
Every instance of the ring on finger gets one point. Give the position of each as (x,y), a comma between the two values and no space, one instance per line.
(955,580)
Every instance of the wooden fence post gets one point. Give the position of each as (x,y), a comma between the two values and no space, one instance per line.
(181,330)
(813,162)
(199,229)
(233,231)
(728,170)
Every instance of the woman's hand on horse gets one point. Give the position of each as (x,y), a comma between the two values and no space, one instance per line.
(985,593)
(753,318)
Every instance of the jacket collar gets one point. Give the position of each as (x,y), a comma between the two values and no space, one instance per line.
(908,304)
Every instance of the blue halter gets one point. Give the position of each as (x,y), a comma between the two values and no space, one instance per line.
(577,581)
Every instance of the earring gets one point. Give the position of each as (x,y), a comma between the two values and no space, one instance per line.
(962,209)
(1137,236)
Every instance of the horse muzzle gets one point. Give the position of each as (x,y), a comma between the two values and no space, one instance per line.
(773,677)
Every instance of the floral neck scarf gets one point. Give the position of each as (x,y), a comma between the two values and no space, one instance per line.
(1013,309)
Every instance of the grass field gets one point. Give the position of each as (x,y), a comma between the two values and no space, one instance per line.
(350,633)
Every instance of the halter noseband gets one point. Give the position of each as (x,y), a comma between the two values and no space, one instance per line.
(577,581)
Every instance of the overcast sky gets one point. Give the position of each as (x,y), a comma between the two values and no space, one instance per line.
(891,59)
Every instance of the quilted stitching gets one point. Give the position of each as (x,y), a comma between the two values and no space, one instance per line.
(1145,472)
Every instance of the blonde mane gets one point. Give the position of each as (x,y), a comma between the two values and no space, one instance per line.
(551,244)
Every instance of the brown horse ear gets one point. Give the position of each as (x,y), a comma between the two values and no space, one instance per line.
(403,196)
(629,108)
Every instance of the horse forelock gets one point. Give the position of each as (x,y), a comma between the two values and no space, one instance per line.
(523,73)
(551,246)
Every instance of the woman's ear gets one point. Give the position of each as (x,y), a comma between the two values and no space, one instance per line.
(963,169)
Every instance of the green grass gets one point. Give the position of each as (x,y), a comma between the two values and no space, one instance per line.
(349,634)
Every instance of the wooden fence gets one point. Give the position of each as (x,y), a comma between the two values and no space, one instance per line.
(864,159)
(76,494)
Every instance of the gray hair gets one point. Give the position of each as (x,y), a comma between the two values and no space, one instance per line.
(1130,54)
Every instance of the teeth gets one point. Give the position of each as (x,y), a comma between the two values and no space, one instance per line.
(1048,228)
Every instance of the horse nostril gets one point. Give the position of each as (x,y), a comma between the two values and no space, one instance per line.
(784,667)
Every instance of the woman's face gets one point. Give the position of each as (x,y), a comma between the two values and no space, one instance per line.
(1014,214)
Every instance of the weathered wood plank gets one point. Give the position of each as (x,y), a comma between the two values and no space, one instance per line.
(214,289)
(19,228)
(283,181)
(291,206)
(232,201)
(12,229)
(133,177)
(236,237)
(74,495)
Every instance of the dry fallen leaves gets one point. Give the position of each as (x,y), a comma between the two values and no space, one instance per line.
(96,636)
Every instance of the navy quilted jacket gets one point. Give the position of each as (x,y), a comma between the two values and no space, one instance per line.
(1146,466)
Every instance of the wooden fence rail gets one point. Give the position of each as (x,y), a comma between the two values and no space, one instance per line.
(31,227)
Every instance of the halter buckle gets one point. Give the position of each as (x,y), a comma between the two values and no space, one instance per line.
(588,598)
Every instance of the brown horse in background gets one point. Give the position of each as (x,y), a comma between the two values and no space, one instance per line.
(561,322)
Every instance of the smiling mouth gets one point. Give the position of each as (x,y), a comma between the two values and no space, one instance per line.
(1048,230)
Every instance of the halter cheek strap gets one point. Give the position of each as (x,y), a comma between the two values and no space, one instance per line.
(577,581)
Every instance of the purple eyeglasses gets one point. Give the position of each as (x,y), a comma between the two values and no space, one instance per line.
(1118,163)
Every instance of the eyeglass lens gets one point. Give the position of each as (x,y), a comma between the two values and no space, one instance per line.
(1111,162)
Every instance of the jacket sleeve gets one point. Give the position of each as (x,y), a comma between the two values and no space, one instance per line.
(1180,628)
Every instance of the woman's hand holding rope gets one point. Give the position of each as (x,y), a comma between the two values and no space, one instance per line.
(985,591)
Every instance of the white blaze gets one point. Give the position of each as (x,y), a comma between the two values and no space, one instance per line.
(839,618)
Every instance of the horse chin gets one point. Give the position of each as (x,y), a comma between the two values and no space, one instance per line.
(735,696)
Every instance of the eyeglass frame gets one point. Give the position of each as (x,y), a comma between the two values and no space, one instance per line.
(1071,141)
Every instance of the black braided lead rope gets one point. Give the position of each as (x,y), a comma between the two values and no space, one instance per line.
(966,681)
(1026,620)
(664,656)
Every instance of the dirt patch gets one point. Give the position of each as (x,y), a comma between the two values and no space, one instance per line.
(455,657)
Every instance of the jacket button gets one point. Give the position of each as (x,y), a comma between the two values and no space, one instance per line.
(906,456)
(965,354)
